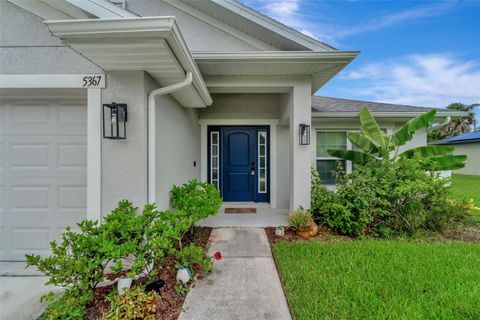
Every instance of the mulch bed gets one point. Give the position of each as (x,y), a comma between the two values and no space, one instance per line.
(462,232)
(170,305)
(324,235)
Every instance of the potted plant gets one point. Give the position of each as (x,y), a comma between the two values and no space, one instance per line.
(302,222)
(124,283)
(280,231)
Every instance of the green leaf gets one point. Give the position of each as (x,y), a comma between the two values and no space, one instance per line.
(449,162)
(427,151)
(361,141)
(370,128)
(405,133)
(354,156)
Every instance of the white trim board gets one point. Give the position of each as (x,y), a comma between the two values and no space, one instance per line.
(44,81)
(271,123)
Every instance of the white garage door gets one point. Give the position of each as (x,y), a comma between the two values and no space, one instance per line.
(43,162)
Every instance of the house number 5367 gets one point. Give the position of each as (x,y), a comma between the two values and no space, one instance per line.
(91,81)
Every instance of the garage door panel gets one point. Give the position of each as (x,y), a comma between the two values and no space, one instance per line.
(33,156)
(43,167)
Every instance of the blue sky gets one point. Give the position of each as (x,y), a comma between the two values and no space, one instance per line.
(412,52)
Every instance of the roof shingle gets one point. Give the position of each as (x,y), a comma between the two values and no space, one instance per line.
(328,104)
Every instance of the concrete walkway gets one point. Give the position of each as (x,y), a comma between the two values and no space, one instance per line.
(243,285)
(20,291)
(265,216)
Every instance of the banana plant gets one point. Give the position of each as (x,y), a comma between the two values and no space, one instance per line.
(376,145)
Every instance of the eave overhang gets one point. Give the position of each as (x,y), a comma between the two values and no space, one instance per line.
(151,44)
(320,66)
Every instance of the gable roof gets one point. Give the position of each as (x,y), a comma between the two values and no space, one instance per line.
(327,105)
(463,138)
(255,24)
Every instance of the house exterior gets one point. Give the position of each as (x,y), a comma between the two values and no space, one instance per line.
(213,90)
(469,145)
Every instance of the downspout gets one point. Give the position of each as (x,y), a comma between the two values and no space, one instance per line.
(151,130)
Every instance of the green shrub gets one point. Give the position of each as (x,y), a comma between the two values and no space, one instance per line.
(78,261)
(197,199)
(300,220)
(68,307)
(134,304)
(195,258)
(385,198)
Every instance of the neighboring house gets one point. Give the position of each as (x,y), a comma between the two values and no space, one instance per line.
(469,145)
(214,91)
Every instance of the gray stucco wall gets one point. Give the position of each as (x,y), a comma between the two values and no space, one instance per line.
(283,167)
(199,35)
(177,147)
(124,162)
(472,151)
(243,106)
(26,46)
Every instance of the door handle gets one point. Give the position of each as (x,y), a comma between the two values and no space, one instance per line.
(252,172)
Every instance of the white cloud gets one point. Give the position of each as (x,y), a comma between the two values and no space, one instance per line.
(428,80)
(385,21)
(283,8)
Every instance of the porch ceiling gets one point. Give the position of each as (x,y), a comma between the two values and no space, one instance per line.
(154,45)
(320,66)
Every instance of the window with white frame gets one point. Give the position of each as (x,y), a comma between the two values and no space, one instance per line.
(262,161)
(215,159)
(326,164)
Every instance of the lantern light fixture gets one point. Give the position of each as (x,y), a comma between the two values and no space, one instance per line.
(304,134)
(115,121)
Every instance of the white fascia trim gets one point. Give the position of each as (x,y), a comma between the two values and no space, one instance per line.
(220,25)
(275,56)
(101,8)
(147,27)
(271,123)
(273,25)
(340,114)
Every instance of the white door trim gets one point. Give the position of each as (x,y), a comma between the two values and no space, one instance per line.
(272,123)
(94,123)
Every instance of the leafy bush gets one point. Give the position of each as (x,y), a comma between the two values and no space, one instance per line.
(300,220)
(195,258)
(133,304)
(68,307)
(386,198)
(78,261)
(127,239)
(197,199)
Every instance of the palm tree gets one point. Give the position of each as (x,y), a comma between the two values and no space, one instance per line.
(456,126)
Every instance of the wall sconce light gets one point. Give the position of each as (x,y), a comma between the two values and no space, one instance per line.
(304,134)
(115,121)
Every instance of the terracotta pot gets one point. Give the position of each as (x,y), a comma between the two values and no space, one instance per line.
(304,234)
(314,229)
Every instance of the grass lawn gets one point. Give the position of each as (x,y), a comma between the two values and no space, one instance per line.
(376,279)
(466,186)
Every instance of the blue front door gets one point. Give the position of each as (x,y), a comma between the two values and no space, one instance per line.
(238,163)
(243,163)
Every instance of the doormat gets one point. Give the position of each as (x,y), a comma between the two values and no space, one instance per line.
(240,210)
